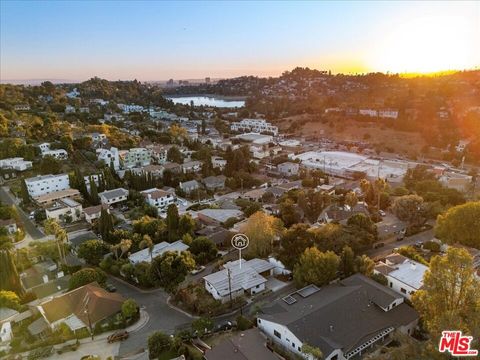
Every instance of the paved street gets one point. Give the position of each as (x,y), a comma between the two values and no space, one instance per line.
(388,248)
(28,225)
(162,316)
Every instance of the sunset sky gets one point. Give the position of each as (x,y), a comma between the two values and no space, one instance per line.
(186,40)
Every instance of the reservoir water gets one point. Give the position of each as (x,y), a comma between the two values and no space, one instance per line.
(207,101)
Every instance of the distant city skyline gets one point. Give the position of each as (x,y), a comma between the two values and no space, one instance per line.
(156,41)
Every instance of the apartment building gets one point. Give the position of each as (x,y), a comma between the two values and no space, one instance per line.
(109,157)
(254,125)
(46,184)
(136,157)
(59,154)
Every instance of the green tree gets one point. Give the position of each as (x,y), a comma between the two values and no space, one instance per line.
(351,199)
(202,325)
(50,165)
(186,225)
(293,243)
(312,351)
(262,230)
(105,225)
(460,224)
(53,228)
(316,267)
(24,193)
(203,249)
(86,276)
(147,243)
(92,251)
(411,253)
(94,198)
(364,265)
(9,299)
(347,261)
(158,343)
(174,155)
(172,223)
(409,208)
(450,295)
(129,308)
(170,269)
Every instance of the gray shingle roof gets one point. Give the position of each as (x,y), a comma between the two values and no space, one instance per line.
(341,316)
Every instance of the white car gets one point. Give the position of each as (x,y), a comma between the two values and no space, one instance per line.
(197,270)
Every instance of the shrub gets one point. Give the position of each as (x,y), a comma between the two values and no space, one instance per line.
(158,342)
(243,323)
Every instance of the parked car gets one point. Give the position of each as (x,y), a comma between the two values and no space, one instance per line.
(118,336)
(225,325)
(378,245)
(110,287)
(197,270)
(382,213)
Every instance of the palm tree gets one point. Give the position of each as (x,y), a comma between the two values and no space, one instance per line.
(147,243)
(53,228)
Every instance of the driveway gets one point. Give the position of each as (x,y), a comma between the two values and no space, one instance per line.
(162,316)
(29,225)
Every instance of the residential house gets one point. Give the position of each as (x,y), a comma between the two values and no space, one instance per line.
(172,167)
(218,216)
(44,279)
(17,164)
(213,183)
(75,240)
(218,162)
(92,213)
(59,154)
(44,147)
(159,153)
(114,196)
(368,112)
(66,210)
(158,198)
(189,186)
(288,168)
(235,280)
(191,166)
(341,214)
(404,276)
(80,308)
(21,107)
(10,225)
(158,250)
(388,113)
(247,345)
(109,157)
(344,320)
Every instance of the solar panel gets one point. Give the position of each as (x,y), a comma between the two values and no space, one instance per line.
(308,290)
(289,299)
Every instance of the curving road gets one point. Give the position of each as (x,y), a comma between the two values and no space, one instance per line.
(30,228)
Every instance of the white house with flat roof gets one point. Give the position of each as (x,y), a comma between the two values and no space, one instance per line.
(46,184)
(17,164)
(64,209)
(59,154)
(109,157)
(158,250)
(404,276)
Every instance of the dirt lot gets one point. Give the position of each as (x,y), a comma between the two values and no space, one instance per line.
(380,136)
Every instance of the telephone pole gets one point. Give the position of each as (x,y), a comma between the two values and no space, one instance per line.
(230,287)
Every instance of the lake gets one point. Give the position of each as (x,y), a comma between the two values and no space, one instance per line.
(207,101)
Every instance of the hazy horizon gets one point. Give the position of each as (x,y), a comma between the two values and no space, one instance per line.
(156,41)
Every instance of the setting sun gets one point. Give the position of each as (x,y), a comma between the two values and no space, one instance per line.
(424,45)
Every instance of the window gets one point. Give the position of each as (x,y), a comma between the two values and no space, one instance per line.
(403,291)
(259,321)
(293,344)
(277,334)
(391,284)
